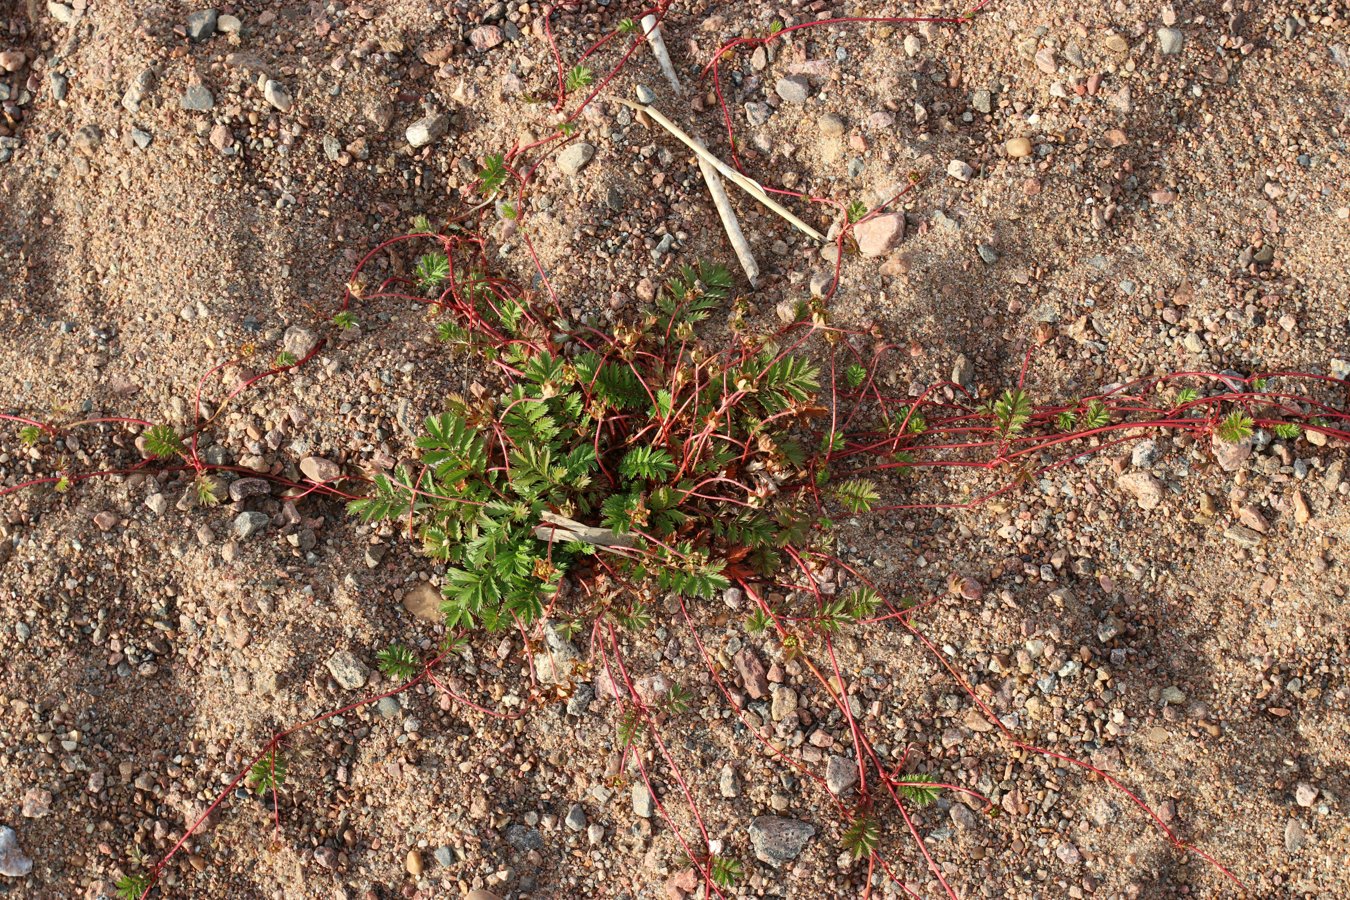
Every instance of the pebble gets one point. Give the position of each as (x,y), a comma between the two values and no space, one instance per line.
(347,670)
(444,855)
(574,158)
(298,341)
(13,864)
(644,804)
(60,12)
(879,234)
(202,25)
(960,170)
(141,138)
(424,602)
(221,137)
(1231,455)
(106,520)
(247,524)
(1045,61)
(388,707)
(1173,695)
(318,469)
(777,839)
(1294,836)
(136,92)
(793,89)
(987,253)
(414,863)
(1305,794)
(197,98)
(982,101)
(752,673)
(1145,487)
(576,818)
(1170,41)
(278,95)
(12,60)
(595,833)
(831,126)
(1018,147)
(87,139)
(228,24)
(841,774)
(485,37)
(37,803)
(1144,454)
(428,129)
(728,782)
(1242,535)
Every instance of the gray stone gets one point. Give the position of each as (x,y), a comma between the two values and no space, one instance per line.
(758,113)
(1294,836)
(793,88)
(278,95)
(987,253)
(388,707)
(444,856)
(778,840)
(198,99)
(1231,455)
(963,372)
(982,101)
(428,129)
(580,701)
(1243,536)
(141,138)
(728,782)
(298,341)
(60,85)
(960,170)
(574,158)
(644,804)
(1145,454)
(13,864)
(524,839)
(1170,41)
(202,25)
(595,833)
(576,818)
(1109,630)
(644,94)
(244,488)
(1173,695)
(841,774)
(347,670)
(247,524)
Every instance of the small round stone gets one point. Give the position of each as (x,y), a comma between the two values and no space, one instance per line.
(1018,147)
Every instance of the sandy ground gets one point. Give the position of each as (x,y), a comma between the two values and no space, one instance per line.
(1179,210)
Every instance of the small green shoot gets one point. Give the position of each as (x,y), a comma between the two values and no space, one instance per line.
(578,77)
(1235,427)
(397,662)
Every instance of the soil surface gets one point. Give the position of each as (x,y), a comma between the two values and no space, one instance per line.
(1131,189)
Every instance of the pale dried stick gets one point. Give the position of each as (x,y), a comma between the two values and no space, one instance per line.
(730,222)
(749,185)
(652,29)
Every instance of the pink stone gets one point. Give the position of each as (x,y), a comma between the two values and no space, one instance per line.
(880,234)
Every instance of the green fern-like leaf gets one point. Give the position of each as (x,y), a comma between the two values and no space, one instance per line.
(650,463)
(268,773)
(1235,427)
(432,270)
(578,77)
(726,871)
(862,602)
(1096,415)
(29,435)
(857,494)
(132,887)
(855,375)
(862,837)
(493,175)
(1012,412)
(397,662)
(391,499)
(344,320)
(1287,430)
(919,789)
(162,441)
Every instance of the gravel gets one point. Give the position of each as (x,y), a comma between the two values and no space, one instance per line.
(778,840)
(13,863)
